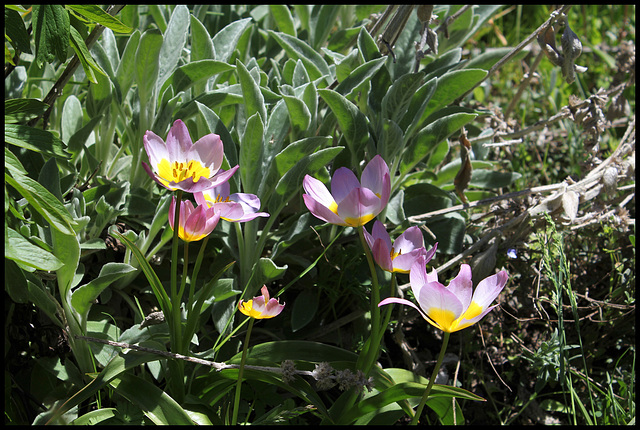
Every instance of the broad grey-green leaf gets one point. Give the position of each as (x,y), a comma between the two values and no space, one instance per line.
(126,67)
(359,77)
(304,308)
(396,101)
(297,49)
(451,86)
(82,298)
(251,152)
(291,182)
(174,39)
(184,77)
(352,122)
(226,40)
(35,139)
(282,16)
(253,98)
(215,125)
(19,249)
(299,114)
(201,44)
(146,63)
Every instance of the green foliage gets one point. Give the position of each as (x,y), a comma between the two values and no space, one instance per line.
(291,91)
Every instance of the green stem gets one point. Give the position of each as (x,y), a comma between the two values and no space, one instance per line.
(387,312)
(236,401)
(372,352)
(176,366)
(425,396)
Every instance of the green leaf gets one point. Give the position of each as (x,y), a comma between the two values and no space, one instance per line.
(321,21)
(395,102)
(300,350)
(352,122)
(251,154)
(451,86)
(215,125)
(35,140)
(304,309)
(253,98)
(297,49)
(22,110)
(367,47)
(487,59)
(15,283)
(157,405)
(201,44)
(154,281)
(125,71)
(88,63)
(84,296)
(483,178)
(51,32)
(226,40)
(427,139)
(194,72)
(359,77)
(291,182)
(299,115)
(282,16)
(174,39)
(147,63)
(96,14)
(45,203)
(95,417)
(16,31)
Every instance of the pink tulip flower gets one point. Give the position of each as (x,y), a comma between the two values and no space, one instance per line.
(236,207)
(399,256)
(261,307)
(455,306)
(195,223)
(180,164)
(350,202)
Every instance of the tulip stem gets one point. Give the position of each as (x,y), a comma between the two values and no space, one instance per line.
(176,368)
(236,401)
(387,313)
(374,344)
(425,396)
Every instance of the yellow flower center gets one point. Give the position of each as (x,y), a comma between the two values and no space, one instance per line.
(178,172)
(394,254)
(445,319)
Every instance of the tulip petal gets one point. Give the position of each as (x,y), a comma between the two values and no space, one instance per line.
(379,232)
(320,211)
(359,207)
(343,182)
(155,148)
(178,141)
(375,175)
(418,276)
(382,255)
(209,150)
(318,192)
(440,304)
(403,262)
(489,288)
(462,285)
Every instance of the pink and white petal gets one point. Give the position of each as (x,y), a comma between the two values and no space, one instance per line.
(373,175)
(379,232)
(190,186)
(231,211)
(249,202)
(200,198)
(155,147)
(209,150)
(464,323)
(409,240)
(404,262)
(368,238)
(153,175)
(429,255)
(418,276)
(359,207)
(435,297)
(273,308)
(178,140)
(381,254)
(222,176)
(489,288)
(343,182)
(317,191)
(462,285)
(318,210)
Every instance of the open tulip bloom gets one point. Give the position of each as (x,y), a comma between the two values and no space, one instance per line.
(195,223)
(405,250)
(180,164)
(236,207)
(261,307)
(350,202)
(455,306)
